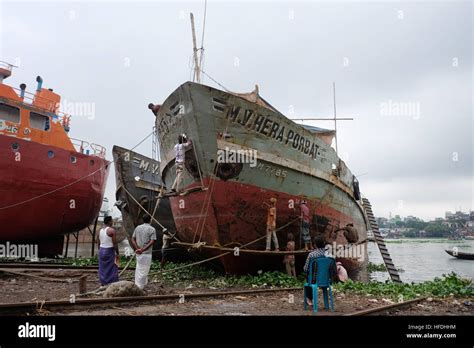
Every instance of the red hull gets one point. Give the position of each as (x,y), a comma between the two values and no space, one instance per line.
(236,215)
(31,179)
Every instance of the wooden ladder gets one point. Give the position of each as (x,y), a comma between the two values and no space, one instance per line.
(392,271)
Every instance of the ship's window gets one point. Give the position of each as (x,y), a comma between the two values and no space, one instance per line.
(73,159)
(9,113)
(91,162)
(50,154)
(15,146)
(38,121)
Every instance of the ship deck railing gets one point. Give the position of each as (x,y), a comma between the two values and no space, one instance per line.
(87,148)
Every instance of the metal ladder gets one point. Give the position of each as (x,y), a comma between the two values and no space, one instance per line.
(392,271)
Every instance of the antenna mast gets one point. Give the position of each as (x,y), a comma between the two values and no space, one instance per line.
(334,118)
(197,70)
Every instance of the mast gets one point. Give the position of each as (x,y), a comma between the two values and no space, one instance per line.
(197,72)
(334,118)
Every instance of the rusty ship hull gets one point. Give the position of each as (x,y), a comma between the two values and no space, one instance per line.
(138,180)
(43,198)
(50,184)
(292,163)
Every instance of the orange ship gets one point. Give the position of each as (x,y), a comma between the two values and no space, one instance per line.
(50,184)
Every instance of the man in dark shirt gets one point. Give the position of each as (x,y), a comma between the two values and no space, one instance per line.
(320,251)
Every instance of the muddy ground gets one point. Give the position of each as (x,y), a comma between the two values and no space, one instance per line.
(18,288)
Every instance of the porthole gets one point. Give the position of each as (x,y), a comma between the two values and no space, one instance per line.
(73,159)
(91,162)
(50,153)
(15,147)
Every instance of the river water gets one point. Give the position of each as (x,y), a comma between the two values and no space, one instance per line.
(424,259)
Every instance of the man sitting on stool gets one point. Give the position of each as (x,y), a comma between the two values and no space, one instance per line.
(320,251)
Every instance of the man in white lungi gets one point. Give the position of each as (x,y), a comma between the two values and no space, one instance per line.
(142,240)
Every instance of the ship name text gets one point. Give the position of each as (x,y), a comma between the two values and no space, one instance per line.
(264,125)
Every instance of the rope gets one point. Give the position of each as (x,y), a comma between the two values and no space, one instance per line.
(223,254)
(208,193)
(208,205)
(198,165)
(215,81)
(141,206)
(70,184)
(128,263)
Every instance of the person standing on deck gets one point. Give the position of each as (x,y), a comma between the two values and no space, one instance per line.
(142,240)
(271,225)
(180,149)
(108,253)
(305,225)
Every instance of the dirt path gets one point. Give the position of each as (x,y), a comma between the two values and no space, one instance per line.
(15,288)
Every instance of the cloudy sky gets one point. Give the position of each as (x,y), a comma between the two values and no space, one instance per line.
(402,70)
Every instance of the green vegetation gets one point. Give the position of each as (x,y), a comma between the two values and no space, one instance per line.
(374,267)
(90,261)
(437,231)
(201,276)
(448,285)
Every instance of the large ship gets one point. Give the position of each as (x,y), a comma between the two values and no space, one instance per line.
(140,191)
(223,201)
(50,184)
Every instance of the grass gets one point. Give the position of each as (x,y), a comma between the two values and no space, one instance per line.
(199,275)
(374,267)
(448,285)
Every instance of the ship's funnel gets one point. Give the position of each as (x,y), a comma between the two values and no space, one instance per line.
(22,90)
(40,83)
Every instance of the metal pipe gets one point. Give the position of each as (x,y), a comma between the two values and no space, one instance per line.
(387,307)
(22,90)
(40,83)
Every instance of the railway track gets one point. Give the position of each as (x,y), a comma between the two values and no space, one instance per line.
(388,307)
(28,307)
(100,302)
(49,265)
